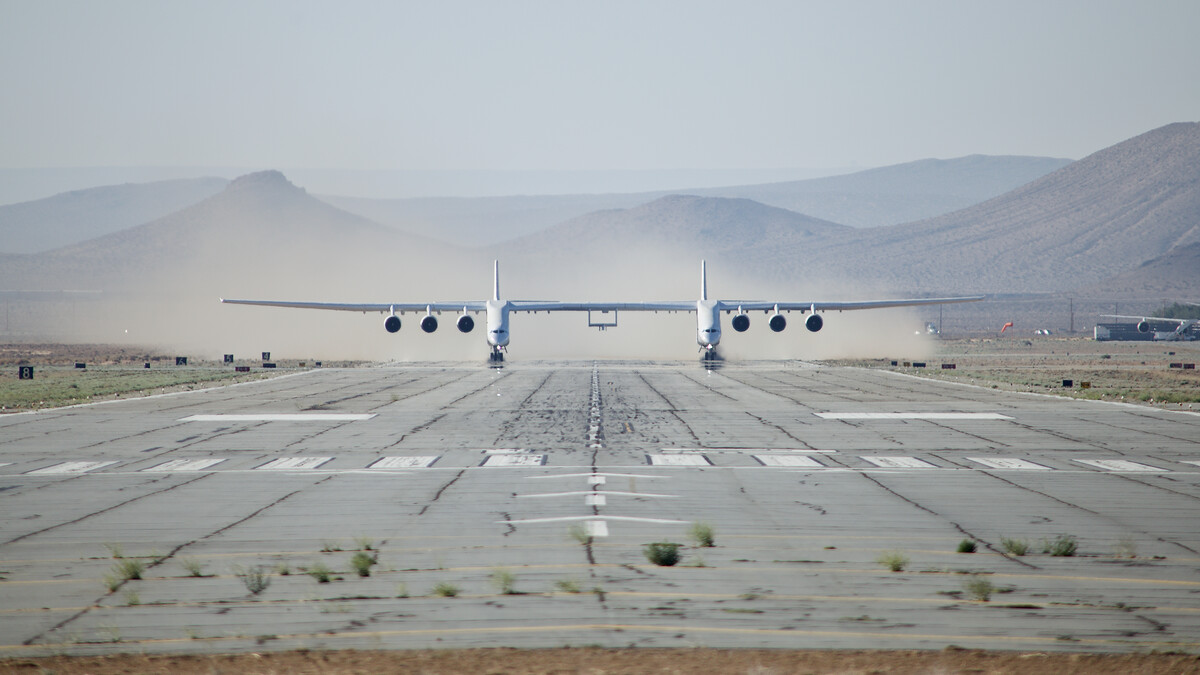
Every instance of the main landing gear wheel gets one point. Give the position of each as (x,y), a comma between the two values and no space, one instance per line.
(496,356)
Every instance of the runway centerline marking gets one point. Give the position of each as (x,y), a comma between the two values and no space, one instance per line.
(789,460)
(281,417)
(293,463)
(1120,465)
(514,460)
(184,465)
(899,462)
(1008,463)
(65,468)
(417,462)
(910,416)
(679,460)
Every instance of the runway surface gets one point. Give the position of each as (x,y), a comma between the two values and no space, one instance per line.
(558,474)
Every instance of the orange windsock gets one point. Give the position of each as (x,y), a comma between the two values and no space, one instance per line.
(1006,326)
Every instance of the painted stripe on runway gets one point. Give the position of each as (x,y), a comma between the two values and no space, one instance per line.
(184,465)
(417,462)
(899,462)
(596,528)
(910,416)
(749,450)
(789,460)
(595,499)
(678,460)
(281,417)
(515,460)
(293,463)
(1007,463)
(1189,461)
(69,468)
(1119,465)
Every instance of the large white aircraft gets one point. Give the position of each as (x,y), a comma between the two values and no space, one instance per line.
(1182,327)
(708,312)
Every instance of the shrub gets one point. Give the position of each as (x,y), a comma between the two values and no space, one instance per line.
(894,561)
(567,585)
(1016,547)
(505,581)
(321,573)
(979,588)
(966,546)
(362,562)
(129,568)
(662,553)
(446,590)
(1064,545)
(703,534)
(193,567)
(256,579)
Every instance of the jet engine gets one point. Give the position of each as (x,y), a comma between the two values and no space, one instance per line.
(392,324)
(777,322)
(1143,326)
(429,323)
(465,323)
(740,323)
(814,322)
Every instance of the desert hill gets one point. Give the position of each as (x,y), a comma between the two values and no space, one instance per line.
(871,198)
(1175,274)
(72,217)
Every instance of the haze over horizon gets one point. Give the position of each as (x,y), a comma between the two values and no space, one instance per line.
(536,88)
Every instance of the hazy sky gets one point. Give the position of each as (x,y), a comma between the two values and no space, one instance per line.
(585,85)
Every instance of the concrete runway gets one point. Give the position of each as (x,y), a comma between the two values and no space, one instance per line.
(807,473)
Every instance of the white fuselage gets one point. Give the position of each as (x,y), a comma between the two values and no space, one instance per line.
(497,323)
(708,323)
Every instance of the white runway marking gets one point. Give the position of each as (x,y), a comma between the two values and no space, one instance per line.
(418,462)
(504,451)
(281,417)
(789,460)
(595,499)
(679,460)
(184,465)
(621,519)
(1119,465)
(1007,463)
(910,416)
(1188,461)
(515,460)
(69,468)
(899,463)
(749,450)
(293,463)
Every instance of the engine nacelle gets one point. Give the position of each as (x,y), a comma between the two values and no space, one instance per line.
(1143,326)
(429,323)
(777,322)
(814,322)
(465,323)
(740,322)
(392,324)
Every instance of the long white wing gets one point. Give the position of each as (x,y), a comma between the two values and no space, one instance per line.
(548,306)
(470,306)
(823,306)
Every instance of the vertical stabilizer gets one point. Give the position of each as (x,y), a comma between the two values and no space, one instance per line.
(703,281)
(495,279)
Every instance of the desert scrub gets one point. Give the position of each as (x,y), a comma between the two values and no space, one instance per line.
(321,573)
(894,561)
(256,579)
(1016,547)
(1064,545)
(504,581)
(966,546)
(129,568)
(662,553)
(703,534)
(446,590)
(979,588)
(362,562)
(567,585)
(193,567)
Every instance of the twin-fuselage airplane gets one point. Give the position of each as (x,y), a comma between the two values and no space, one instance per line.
(708,312)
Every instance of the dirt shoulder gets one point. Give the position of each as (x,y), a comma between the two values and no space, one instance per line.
(596,661)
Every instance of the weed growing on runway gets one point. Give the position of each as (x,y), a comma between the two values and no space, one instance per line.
(1016,547)
(362,562)
(256,579)
(364,544)
(703,534)
(129,568)
(505,581)
(446,590)
(579,533)
(194,567)
(567,585)
(1126,547)
(662,553)
(132,599)
(979,588)
(1064,545)
(115,550)
(330,547)
(966,546)
(894,561)
(321,573)
(401,590)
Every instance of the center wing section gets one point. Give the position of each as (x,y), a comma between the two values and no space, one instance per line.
(547,306)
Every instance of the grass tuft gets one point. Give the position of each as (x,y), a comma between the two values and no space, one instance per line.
(979,588)
(966,546)
(446,590)
(194,567)
(256,579)
(1064,545)
(505,581)
(703,534)
(362,562)
(894,561)
(567,585)
(1017,547)
(321,573)
(662,553)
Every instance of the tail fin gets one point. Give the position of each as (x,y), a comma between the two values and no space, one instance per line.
(496,280)
(703,281)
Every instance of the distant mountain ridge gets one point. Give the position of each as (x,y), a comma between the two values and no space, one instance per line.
(71,217)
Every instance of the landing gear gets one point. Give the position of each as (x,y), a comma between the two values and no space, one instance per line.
(710,355)
(496,356)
